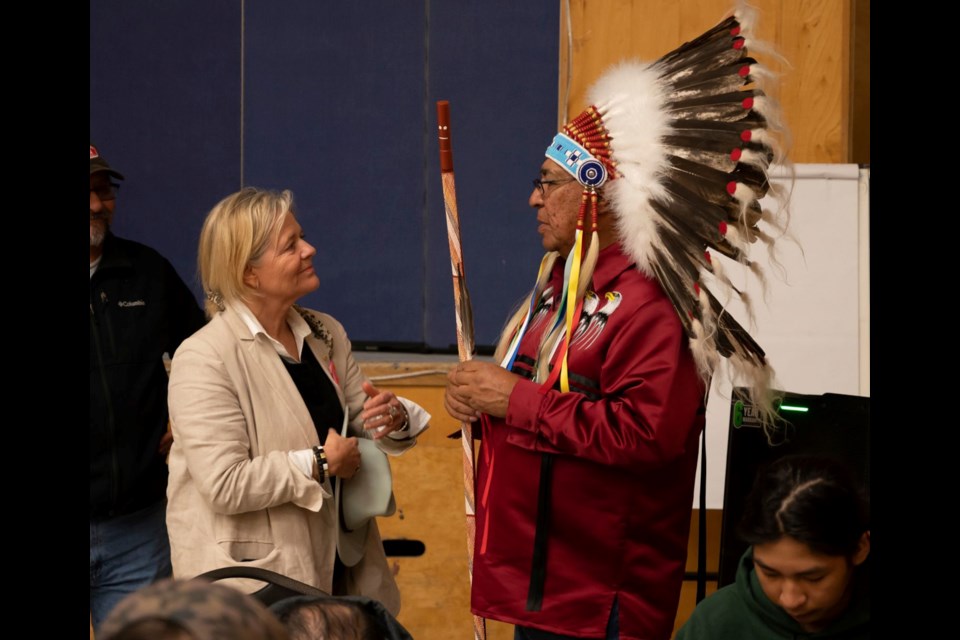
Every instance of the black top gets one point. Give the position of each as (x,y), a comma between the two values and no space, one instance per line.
(317,392)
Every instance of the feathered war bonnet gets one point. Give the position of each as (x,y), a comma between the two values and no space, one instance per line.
(682,148)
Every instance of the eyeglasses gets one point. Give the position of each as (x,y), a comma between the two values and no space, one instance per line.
(539,183)
(106,191)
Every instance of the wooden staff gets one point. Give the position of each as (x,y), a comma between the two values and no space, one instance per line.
(461,299)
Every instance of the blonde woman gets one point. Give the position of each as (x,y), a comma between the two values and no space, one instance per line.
(257,402)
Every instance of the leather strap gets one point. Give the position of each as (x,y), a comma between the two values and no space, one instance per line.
(277,588)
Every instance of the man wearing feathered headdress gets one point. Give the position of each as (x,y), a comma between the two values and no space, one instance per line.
(590,423)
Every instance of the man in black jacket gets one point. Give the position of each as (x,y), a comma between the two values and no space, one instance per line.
(140,309)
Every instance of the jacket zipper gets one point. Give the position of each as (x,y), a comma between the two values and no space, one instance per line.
(111,430)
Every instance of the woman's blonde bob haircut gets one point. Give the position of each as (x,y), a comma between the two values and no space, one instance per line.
(236,234)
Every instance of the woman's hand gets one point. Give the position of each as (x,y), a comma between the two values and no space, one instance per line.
(382,413)
(343,455)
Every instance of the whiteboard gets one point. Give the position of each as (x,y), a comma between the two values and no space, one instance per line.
(814,324)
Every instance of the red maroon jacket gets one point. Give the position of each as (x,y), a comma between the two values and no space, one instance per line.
(617,491)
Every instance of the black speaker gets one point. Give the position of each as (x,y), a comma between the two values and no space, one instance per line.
(828,424)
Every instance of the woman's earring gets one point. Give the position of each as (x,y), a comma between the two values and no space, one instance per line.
(216,298)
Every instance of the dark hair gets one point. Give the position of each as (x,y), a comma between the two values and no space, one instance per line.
(815,500)
(331,618)
(177,609)
(153,629)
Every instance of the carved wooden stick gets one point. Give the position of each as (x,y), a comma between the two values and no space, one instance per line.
(465,337)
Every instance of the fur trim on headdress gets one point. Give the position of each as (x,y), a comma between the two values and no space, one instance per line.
(630,94)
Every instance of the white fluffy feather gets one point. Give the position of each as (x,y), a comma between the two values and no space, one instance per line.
(748,156)
(630,94)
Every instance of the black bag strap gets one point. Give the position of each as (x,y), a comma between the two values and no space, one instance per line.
(277,588)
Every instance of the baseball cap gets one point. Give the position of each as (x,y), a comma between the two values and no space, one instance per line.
(99,163)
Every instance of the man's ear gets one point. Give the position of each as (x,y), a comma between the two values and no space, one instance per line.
(863,549)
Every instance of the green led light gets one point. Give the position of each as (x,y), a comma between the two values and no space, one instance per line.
(791,407)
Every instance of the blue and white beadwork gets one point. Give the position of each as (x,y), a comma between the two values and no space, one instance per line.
(577,161)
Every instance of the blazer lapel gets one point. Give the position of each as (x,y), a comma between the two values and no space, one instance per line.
(262,358)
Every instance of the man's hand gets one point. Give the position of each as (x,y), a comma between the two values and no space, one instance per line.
(478,387)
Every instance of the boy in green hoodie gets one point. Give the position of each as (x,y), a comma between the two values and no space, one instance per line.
(806,573)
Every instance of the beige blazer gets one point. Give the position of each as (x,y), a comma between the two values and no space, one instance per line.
(234,497)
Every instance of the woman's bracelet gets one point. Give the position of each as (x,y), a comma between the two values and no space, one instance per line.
(321,457)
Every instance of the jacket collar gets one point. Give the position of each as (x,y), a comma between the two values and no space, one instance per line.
(262,350)
(115,254)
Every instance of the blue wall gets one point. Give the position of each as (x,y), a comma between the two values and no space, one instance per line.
(336,101)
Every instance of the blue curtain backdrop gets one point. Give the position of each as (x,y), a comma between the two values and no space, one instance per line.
(336,101)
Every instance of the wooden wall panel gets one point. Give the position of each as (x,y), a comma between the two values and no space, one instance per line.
(816,91)
(860,83)
(688,593)
(688,601)
(812,35)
